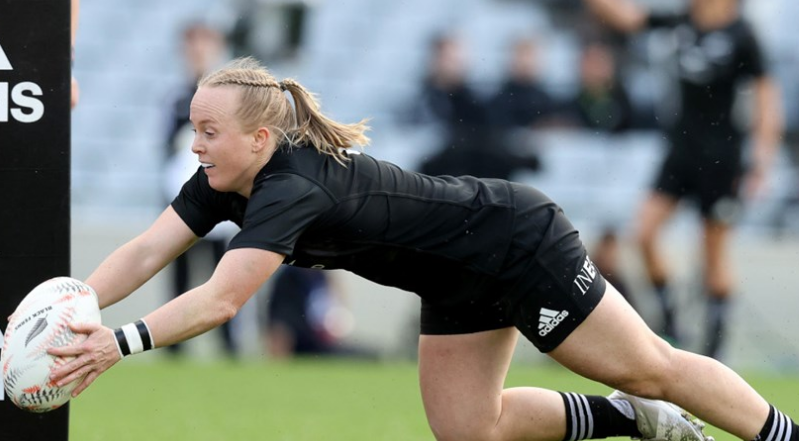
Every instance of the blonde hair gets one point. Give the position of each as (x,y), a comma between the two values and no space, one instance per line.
(264,104)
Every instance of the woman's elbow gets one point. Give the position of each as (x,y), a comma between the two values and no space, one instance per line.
(224,312)
(228,312)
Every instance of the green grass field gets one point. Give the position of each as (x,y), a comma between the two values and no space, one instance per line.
(298,400)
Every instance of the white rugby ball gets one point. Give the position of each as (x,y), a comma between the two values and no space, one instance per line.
(41,321)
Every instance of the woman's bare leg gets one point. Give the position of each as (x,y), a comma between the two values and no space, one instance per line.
(462,381)
(615,347)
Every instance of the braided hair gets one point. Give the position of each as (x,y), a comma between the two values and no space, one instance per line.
(263,103)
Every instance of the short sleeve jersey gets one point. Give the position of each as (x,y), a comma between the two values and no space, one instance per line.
(710,66)
(392,226)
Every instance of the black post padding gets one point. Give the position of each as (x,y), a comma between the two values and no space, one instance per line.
(34,173)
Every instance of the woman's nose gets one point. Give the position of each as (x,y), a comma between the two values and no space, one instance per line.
(196,147)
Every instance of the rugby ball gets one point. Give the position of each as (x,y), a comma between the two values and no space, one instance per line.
(41,321)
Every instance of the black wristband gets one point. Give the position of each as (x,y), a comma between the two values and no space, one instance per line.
(122,342)
(144,334)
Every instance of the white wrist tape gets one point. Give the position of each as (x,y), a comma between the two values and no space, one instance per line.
(133,338)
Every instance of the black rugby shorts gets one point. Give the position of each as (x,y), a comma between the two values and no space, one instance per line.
(547,288)
(712,181)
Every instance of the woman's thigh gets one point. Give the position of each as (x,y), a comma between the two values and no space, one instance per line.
(462,379)
(462,376)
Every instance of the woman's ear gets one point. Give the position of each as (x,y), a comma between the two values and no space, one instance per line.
(261,139)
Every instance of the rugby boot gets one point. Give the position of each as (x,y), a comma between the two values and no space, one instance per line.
(662,421)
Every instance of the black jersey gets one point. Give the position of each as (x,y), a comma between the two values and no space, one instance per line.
(392,226)
(710,66)
(481,253)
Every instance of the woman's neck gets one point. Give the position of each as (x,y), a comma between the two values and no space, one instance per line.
(257,165)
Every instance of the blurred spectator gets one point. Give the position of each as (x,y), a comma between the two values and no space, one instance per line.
(469,145)
(520,105)
(448,100)
(522,101)
(204,48)
(270,30)
(605,256)
(305,314)
(601,102)
(716,52)
(784,217)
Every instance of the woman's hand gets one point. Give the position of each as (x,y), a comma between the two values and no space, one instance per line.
(93,356)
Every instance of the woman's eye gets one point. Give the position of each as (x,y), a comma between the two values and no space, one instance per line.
(209,134)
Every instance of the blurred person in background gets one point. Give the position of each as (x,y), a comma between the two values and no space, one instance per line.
(785,215)
(306,314)
(522,101)
(601,102)
(204,48)
(270,30)
(520,105)
(468,146)
(447,98)
(606,256)
(296,308)
(717,52)
(489,258)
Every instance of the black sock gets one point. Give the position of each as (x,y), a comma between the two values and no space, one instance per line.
(667,309)
(717,308)
(594,417)
(778,427)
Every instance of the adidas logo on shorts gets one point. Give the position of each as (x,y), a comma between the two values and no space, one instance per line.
(549,319)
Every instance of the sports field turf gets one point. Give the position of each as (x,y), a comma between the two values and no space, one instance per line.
(300,400)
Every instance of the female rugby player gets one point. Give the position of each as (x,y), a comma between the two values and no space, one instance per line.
(489,259)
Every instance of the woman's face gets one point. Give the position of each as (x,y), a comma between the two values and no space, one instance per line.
(596,67)
(226,153)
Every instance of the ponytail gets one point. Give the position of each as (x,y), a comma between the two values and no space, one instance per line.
(315,128)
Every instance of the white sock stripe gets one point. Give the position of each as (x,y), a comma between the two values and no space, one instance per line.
(783,426)
(573,416)
(776,427)
(589,430)
(581,415)
(770,436)
(789,427)
(133,337)
(780,423)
